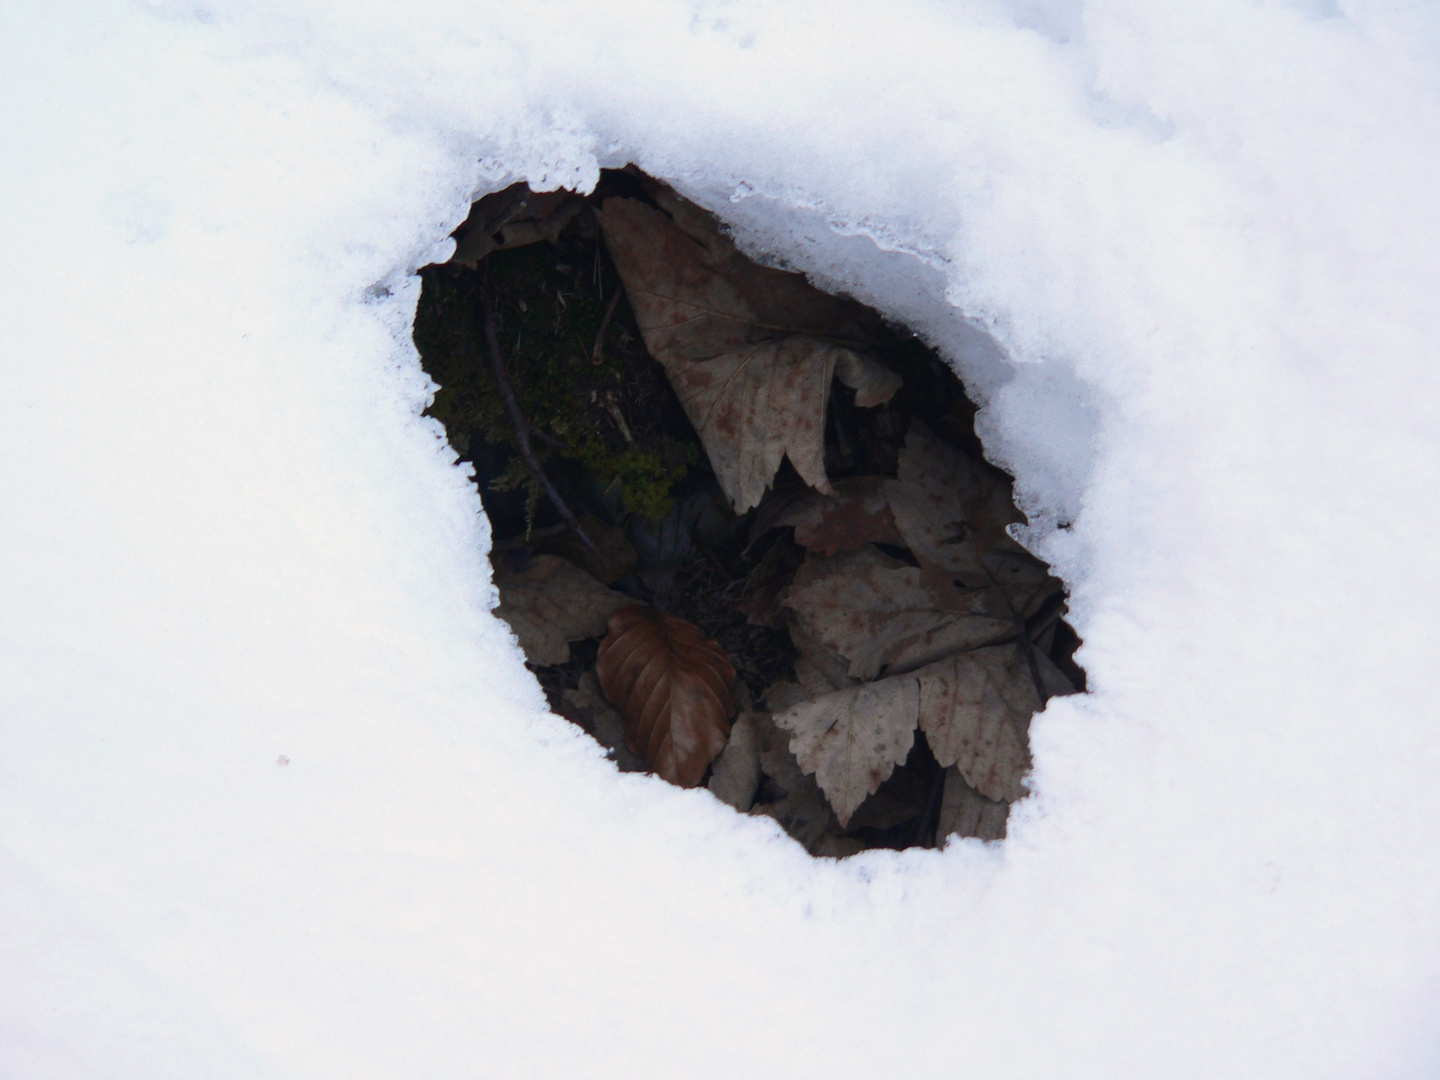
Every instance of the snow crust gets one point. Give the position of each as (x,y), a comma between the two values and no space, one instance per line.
(1186,255)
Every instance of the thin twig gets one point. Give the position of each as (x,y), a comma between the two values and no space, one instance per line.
(547,438)
(522,426)
(597,355)
(613,408)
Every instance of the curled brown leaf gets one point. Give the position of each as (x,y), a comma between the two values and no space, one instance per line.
(673,687)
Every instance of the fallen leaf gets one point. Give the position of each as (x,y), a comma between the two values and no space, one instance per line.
(736,774)
(612,558)
(952,512)
(975,709)
(888,808)
(802,810)
(766,585)
(751,351)
(726,300)
(819,668)
(513,218)
(753,409)
(831,846)
(783,693)
(551,603)
(851,740)
(965,812)
(878,613)
(672,685)
(786,794)
(936,493)
(857,513)
(587,707)
(874,384)
(787,490)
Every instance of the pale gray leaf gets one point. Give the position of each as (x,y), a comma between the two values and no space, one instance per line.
(975,710)
(552,603)
(851,740)
(735,775)
(878,614)
(965,812)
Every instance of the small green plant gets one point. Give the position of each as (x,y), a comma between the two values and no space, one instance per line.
(601,405)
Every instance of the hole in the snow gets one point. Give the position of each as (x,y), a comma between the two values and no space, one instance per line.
(744,530)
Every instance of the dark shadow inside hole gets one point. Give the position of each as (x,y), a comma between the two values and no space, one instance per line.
(860,665)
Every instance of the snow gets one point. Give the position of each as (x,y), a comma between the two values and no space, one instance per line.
(1186,255)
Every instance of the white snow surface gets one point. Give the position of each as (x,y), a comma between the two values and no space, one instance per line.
(1185,254)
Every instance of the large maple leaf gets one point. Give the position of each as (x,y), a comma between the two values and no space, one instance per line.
(751,351)
(974,707)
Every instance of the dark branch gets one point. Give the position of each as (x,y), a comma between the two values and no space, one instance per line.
(518,421)
(547,438)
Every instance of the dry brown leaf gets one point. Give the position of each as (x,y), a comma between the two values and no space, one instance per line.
(672,685)
(786,793)
(754,408)
(766,585)
(878,613)
(952,512)
(944,501)
(736,774)
(874,384)
(787,491)
(965,812)
(832,846)
(551,603)
(852,740)
(975,708)
(818,668)
(723,300)
(611,559)
(858,513)
(513,218)
(889,807)
(750,350)
(802,811)
(587,707)
(783,693)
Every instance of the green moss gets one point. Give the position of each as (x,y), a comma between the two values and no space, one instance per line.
(646,477)
(616,417)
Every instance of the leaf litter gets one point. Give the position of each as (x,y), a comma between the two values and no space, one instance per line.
(788,575)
